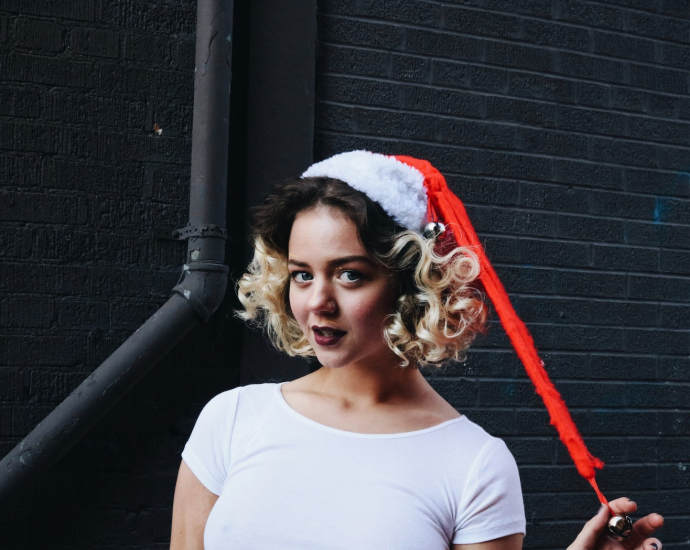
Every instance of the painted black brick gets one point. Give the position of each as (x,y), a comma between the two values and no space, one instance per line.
(666,28)
(658,78)
(95,42)
(592,15)
(488,79)
(624,258)
(530,85)
(675,261)
(662,183)
(480,22)
(591,67)
(444,45)
(29,312)
(594,95)
(610,367)
(615,45)
(667,289)
(484,190)
(516,110)
(588,174)
(590,228)
(674,316)
(37,34)
(448,102)
(555,34)
(562,364)
(636,100)
(648,341)
(502,249)
(555,253)
(592,121)
(359,33)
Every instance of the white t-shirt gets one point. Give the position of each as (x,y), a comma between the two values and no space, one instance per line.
(289,483)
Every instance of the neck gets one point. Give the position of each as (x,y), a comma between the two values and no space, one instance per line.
(382,381)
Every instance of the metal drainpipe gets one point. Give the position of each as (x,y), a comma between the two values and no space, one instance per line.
(193,300)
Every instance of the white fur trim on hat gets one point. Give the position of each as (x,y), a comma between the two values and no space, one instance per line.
(397,187)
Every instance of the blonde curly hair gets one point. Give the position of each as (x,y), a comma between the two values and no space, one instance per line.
(439,309)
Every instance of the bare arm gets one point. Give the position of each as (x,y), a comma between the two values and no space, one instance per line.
(509,542)
(191,508)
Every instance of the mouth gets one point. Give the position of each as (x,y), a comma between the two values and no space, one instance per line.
(327,336)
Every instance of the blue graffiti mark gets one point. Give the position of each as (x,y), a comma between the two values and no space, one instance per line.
(660,210)
(657,210)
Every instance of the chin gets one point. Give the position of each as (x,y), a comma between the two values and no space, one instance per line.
(331,362)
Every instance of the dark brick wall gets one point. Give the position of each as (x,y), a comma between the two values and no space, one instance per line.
(83,181)
(564,125)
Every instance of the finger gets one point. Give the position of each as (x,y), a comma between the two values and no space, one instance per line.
(652,544)
(592,529)
(643,528)
(623,506)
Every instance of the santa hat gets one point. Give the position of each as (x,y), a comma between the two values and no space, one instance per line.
(414,193)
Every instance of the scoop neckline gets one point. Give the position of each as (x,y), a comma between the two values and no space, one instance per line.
(301,417)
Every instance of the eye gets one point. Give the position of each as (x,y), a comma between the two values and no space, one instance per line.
(350,275)
(301,277)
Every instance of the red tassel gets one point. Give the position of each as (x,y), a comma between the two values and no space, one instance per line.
(449,209)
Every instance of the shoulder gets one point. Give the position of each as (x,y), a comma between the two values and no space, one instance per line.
(470,454)
(472,437)
(490,451)
(231,398)
(223,408)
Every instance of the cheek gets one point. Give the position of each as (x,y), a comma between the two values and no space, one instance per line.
(371,310)
(296,301)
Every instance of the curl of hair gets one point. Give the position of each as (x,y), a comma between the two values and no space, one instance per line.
(263,292)
(439,309)
(437,317)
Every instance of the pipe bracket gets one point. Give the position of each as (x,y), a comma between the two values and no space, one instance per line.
(187,232)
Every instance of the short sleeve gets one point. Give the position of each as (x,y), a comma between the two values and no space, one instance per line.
(492,504)
(207,452)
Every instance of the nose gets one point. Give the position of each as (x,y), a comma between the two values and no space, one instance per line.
(322,299)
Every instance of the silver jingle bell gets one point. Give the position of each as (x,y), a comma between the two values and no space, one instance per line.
(619,527)
(434,230)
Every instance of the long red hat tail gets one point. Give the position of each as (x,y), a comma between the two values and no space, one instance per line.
(449,209)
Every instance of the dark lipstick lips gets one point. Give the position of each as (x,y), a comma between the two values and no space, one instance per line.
(323,340)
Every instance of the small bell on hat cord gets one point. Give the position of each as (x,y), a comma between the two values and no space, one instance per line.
(434,230)
(619,527)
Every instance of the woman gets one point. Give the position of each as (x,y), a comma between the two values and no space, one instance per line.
(362,453)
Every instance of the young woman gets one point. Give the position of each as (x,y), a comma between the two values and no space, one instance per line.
(362,453)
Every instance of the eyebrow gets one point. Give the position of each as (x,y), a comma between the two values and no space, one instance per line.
(335,263)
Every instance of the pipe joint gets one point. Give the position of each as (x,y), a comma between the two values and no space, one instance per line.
(203,285)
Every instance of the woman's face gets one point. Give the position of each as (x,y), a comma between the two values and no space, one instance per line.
(338,294)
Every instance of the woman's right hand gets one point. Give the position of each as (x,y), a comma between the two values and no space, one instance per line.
(593,535)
